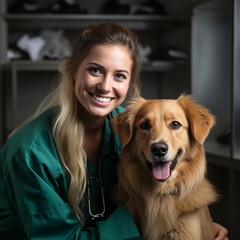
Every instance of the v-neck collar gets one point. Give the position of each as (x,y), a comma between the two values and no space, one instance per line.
(92,168)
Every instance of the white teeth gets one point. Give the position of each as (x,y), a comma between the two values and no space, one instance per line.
(101,99)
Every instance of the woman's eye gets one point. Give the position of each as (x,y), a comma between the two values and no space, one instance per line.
(145,125)
(175,125)
(94,70)
(120,76)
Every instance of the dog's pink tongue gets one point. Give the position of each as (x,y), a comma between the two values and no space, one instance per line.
(161,171)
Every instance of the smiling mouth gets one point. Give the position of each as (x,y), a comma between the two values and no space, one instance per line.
(161,170)
(101,99)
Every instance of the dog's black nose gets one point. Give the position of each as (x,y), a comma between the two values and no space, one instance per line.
(159,149)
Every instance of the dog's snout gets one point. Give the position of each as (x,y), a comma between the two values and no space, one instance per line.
(159,149)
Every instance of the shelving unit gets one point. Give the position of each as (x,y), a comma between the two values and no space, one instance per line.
(135,22)
(154,72)
(25,65)
(216,85)
(14,68)
(153,66)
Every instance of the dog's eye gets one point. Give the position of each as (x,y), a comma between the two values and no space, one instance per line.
(145,125)
(175,125)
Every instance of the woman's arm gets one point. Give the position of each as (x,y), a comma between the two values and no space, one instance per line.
(35,191)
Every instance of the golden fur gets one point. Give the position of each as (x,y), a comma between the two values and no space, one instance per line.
(175,207)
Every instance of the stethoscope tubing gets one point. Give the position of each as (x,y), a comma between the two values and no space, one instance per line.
(104,155)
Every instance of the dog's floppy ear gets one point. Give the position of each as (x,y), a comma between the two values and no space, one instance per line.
(200,119)
(123,123)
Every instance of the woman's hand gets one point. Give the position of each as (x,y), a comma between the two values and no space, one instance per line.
(220,232)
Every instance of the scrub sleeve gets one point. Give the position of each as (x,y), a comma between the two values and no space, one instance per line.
(33,190)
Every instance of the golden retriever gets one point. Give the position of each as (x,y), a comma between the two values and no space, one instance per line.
(162,167)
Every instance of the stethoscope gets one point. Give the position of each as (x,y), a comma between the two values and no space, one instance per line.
(96,216)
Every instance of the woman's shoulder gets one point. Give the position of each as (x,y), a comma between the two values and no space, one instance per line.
(33,129)
(36,132)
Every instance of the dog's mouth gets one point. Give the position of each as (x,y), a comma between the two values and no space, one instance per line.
(161,170)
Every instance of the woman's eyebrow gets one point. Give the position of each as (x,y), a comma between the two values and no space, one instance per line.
(96,64)
(121,71)
(103,68)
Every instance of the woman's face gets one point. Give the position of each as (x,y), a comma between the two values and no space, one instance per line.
(102,79)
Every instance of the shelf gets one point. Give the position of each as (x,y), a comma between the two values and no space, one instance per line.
(199,2)
(76,21)
(222,161)
(27,65)
(216,148)
(160,66)
(218,160)
(220,154)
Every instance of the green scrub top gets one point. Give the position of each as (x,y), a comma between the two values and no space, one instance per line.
(33,189)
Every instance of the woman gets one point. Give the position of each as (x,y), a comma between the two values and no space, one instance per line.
(56,171)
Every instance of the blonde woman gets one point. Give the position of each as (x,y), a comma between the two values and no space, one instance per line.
(55,172)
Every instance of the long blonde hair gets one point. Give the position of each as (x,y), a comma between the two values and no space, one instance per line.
(68,131)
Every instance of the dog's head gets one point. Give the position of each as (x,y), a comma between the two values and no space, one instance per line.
(161,132)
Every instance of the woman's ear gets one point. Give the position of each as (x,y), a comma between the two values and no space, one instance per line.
(200,119)
(123,124)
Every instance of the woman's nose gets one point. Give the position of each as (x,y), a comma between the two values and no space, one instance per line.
(105,84)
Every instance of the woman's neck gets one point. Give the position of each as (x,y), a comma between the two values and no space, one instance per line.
(94,135)
(90,122)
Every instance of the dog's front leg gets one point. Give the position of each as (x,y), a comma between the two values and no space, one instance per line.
(187,228)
